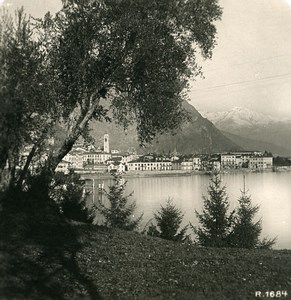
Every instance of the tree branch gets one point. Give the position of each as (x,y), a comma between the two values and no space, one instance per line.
(73,134)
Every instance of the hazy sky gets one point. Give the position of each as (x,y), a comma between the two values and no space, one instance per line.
(251,64)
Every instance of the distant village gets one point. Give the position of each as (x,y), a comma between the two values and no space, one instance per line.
(90,159)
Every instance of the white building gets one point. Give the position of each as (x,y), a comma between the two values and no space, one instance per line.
(214,164)
(95,157)
(129,157)
(260,162)
(124,158)
(149,165)
(238,161)
(245,159)
(187,165)
(197,163)
(75,158)
(228,161)
(116,166)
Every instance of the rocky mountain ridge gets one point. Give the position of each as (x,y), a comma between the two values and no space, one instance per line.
(256,129)
(198,135)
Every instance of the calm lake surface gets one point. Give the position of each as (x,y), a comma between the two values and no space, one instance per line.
(272,191)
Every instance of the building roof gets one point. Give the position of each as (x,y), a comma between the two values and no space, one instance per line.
(140,160)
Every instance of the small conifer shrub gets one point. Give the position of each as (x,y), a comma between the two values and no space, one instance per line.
(168,221)
(215,221)
(68,192)
(119,213)
(246,232)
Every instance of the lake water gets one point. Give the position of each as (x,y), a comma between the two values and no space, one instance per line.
(272,191)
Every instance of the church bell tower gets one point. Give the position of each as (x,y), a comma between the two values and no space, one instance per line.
(106,143)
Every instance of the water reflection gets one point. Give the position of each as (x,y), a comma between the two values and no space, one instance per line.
(272,191)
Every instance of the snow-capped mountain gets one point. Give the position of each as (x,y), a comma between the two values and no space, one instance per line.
(254,126)
(238,117)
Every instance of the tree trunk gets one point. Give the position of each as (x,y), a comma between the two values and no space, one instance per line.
(74,133)
(7,176)
(24,171)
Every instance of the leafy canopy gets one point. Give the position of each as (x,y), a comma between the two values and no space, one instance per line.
(138,55)
(127,60)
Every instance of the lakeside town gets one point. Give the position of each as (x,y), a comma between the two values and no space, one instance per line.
(90,159)
(145,149)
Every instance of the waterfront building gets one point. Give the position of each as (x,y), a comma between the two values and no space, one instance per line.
(260,162)
(176,165)
(197,163)
(138,165)
(214,164)
(187,165)
(238,161)
(75,158)
(96,157)
(228,161)
(116,166)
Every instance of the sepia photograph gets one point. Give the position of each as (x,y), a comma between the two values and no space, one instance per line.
(145,149)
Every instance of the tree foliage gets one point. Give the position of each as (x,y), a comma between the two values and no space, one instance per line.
(215,220)
(24,117)
(246,232)
(219,228)
(281,161)
(99,59)
(118,212)
(68,192)
(169,219)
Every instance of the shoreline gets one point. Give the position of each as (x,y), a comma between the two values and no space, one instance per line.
(176,173)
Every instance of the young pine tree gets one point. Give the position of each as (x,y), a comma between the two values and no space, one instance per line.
(215,221)
(68,193)
(119,213)
(246,231)
(169,219)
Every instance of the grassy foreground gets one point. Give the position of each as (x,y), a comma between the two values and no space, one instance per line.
(89,262)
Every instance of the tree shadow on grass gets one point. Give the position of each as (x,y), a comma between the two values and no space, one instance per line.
(38,253)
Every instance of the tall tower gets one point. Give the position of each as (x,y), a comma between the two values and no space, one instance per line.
(106,143)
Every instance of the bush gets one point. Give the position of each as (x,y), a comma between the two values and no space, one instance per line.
(222,229)
(215,221)
(266,243)
(119,214)
(168,220)
(246,231)
(68,192)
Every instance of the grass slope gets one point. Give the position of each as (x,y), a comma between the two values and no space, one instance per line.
(90,262)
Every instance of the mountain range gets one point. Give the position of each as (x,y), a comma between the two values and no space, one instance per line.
(237,129)
(198,135)
(253,130)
